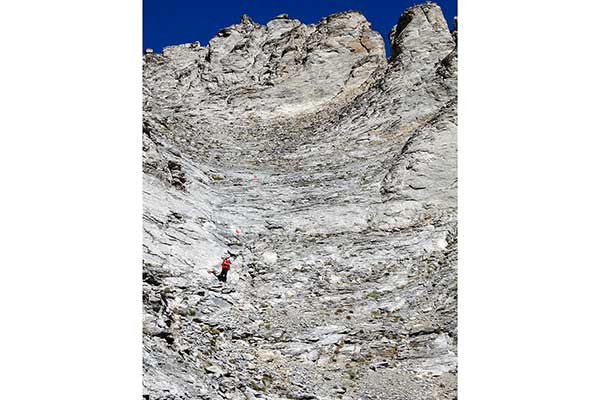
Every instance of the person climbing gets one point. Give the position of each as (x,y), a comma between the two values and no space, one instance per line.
(225,265)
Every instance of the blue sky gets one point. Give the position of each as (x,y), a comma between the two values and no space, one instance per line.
(168,22)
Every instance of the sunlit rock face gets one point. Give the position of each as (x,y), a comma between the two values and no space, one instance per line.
(328,175)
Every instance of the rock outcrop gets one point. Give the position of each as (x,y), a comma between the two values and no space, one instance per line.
(328,174)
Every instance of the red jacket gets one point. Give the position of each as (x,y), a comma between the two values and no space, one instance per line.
(225,264)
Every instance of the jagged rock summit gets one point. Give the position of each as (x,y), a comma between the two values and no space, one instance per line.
(328,174)
(253,71)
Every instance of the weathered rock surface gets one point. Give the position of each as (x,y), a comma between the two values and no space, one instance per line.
(328,173)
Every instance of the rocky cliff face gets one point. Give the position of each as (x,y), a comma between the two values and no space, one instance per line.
(328,173)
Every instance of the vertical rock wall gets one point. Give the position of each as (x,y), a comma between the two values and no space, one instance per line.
(328,174)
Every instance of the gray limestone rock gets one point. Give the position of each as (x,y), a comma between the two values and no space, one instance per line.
(328,174)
